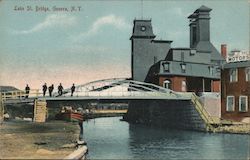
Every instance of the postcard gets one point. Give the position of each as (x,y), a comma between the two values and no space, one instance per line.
(132,79)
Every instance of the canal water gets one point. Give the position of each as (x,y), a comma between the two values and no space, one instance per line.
(110,138)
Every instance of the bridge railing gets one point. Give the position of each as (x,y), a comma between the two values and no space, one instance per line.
(20,94)
(203,113)
(118,94)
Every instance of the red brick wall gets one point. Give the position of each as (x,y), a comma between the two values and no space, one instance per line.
(241,87)
(176,82)
(216,86)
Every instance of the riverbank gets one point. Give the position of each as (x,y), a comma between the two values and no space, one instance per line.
(235,129)
(29,140)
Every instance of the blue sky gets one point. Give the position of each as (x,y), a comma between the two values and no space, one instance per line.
(81,46)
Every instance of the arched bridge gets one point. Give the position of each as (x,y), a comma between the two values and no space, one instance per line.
(115,88)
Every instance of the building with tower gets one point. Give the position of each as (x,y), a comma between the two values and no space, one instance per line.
(146,50)
(195,69)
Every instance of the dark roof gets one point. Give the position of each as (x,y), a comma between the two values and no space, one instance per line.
(193,15)
(192,70)
(203,9)
(237,64)
(143,20)
(206,46)
(162,41)
(181,48)
(8,88)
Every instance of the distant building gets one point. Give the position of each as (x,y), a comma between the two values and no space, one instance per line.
(194,69)
(235,93)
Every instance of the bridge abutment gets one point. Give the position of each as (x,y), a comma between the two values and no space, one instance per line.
(180,114)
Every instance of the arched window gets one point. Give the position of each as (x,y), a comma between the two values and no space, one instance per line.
(167,84)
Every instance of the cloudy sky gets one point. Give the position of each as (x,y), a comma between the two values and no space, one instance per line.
(93,43)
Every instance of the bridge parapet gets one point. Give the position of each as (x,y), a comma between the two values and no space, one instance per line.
(19,95)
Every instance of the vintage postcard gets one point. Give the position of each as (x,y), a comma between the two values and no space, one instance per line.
(124,79)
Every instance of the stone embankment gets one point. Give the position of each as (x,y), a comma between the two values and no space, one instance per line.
(235,128)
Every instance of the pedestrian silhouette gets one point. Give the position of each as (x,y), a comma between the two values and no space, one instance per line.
(27,91)
(73,89)
(60,89)
(51,88)
(44,89)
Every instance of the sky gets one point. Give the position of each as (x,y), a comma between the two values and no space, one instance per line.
(92,41)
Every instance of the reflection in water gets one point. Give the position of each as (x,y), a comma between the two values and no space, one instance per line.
(111,138)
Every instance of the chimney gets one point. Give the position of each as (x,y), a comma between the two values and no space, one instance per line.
(224,50)
(203,24)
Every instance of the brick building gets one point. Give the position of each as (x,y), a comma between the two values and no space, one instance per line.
(194,69)
(235,93)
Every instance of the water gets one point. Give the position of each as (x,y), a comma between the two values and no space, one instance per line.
(110,138)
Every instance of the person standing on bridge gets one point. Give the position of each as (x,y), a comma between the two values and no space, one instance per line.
(73,89)
(51,88)
(60,89)
(27,90)
(44,89)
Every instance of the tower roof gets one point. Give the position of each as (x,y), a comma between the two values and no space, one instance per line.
(203,9)
(193,15)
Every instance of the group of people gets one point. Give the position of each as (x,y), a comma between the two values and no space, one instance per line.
(60,89)
(50,89)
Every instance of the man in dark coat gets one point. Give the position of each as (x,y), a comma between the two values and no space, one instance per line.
(44,89)
(60,89)
(51,88)
(73,89)
(27,90)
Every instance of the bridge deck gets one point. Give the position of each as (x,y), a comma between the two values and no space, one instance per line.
(114,98)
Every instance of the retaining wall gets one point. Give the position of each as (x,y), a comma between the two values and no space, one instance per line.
(179,114)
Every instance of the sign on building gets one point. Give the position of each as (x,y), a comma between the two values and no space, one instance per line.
(238,56)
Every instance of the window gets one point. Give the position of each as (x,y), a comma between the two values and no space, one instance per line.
(167,84)
(243,104)
(192,52)
(194,34)
(143,28)
(183,86)
(233,75)
(183,67)
(247,70)
(230,103)
(166,67)
(211,70)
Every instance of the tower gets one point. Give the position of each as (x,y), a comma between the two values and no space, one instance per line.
(142,58)
(145,50)
(200,34)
